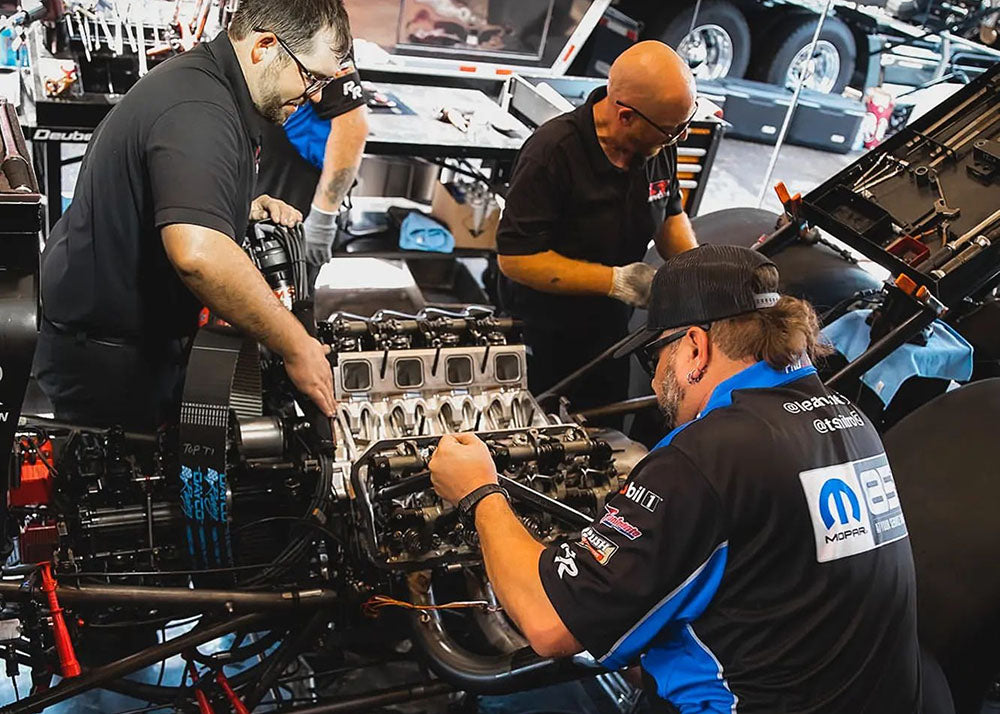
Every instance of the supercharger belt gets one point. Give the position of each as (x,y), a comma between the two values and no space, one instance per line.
(223,381)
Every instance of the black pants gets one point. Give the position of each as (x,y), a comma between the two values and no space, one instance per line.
(97,382)
(555,354)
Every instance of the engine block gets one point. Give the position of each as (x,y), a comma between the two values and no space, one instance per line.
(402,381)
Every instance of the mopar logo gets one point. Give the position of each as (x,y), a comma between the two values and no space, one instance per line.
(81,137)
(837,491)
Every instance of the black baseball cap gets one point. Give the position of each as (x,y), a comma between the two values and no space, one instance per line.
(700,286)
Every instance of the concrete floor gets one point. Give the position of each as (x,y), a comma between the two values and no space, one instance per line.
(739,169)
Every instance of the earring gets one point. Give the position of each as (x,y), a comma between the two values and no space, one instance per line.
(695,375)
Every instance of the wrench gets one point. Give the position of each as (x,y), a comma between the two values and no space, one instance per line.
(940,209)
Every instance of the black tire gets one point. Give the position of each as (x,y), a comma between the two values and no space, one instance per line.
(672,29)
(774,53)
(943,457)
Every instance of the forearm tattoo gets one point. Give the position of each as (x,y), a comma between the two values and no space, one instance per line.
(339,184)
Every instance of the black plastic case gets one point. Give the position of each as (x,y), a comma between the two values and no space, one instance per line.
(822,121)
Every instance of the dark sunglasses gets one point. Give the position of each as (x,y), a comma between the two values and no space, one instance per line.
(672,137)
(649,354)
(313,82)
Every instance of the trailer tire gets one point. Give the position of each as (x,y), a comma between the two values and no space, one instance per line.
(774,55)
(719,18)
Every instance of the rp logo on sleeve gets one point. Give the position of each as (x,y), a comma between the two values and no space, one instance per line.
(566,562)
(854,507)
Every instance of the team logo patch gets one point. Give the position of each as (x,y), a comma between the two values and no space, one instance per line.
(566,562)
(611,519)
(854,507)
(600,547)
(659,190)
(641,495)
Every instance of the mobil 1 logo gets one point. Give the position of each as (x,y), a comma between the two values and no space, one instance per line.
(854,507)
(641,495)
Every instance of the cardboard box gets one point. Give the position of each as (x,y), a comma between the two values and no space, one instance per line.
(449,206)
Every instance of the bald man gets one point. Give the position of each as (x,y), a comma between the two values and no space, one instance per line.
(590,191)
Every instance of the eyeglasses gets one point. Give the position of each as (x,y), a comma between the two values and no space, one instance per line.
(649,354)
(313,82)
(672,137)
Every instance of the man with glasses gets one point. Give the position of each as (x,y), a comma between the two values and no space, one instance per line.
(590,191)
(757,560)
(164,197)
(312,160)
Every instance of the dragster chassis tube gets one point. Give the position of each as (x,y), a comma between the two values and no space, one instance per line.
(484,674)
(95,678)
(381,698)
(226,600)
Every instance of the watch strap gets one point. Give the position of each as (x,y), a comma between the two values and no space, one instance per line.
(467,506)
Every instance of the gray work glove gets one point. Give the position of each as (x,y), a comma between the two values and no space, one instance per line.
(320,228)
(632,284)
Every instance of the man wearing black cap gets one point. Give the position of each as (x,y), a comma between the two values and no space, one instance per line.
(757,560)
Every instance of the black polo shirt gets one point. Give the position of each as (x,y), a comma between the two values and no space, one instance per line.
(284,172)
(180,147)
(756,561)
(566,196)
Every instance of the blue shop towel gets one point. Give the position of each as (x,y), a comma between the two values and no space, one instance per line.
(419,232)
(308,134)
(946,355)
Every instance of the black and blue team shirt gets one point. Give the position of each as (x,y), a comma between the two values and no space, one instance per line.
(757,560)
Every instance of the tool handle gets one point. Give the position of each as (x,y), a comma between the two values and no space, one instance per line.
(962,258)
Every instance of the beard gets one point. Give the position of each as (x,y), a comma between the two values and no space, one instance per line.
(271,106)
(672,393)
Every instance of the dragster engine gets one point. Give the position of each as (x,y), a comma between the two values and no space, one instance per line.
(256,506)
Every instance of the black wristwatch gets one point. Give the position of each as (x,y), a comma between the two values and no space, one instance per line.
(467,506)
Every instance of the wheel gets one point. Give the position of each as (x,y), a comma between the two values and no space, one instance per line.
(810,272)
(720,43)
(784,53)
(943,458)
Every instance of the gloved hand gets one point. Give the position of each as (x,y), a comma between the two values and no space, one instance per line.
(320,228)
(632,284)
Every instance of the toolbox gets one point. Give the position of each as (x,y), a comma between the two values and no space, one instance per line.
(822,121)
(926,203)
(826,121)
(754,110)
